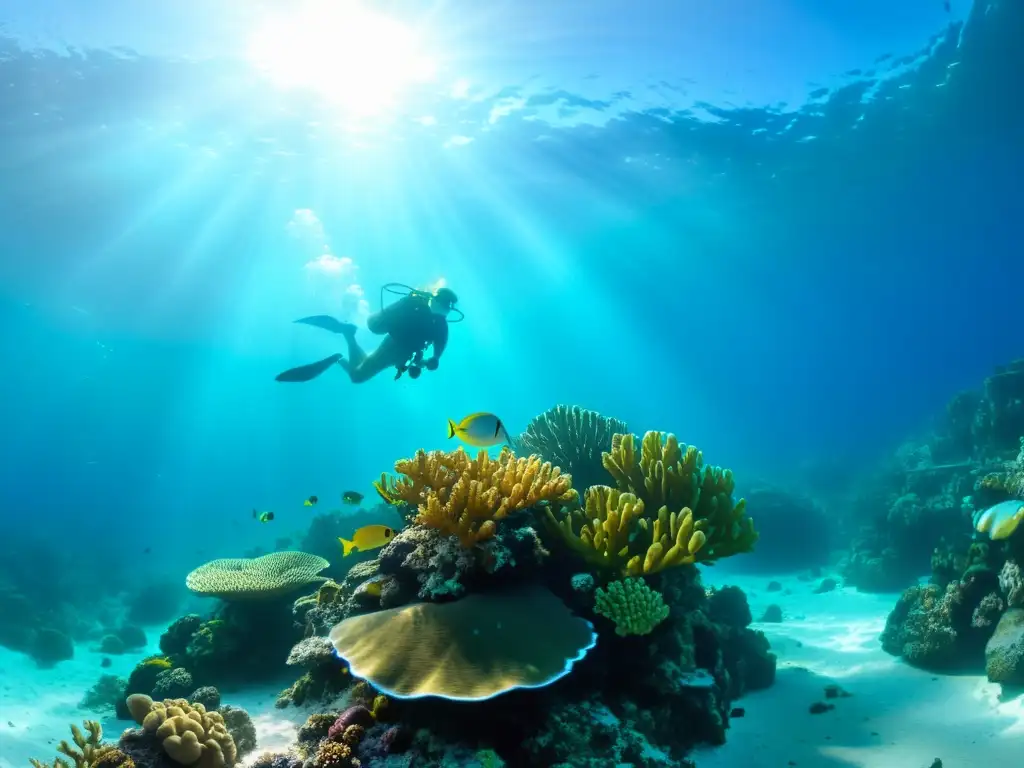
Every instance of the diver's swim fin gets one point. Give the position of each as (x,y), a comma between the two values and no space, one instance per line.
(328,323)
(308,372)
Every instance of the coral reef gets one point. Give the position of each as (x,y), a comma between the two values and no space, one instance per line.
(933,485)
(572,438)
(668,510)
(325,674)
(580,633)
(201,654)
(945,625)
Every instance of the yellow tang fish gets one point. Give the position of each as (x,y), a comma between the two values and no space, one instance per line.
(366,538)
(481,430)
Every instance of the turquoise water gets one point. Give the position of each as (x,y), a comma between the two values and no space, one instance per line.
(785,232)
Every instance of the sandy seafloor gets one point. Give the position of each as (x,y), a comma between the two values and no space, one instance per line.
(894,717)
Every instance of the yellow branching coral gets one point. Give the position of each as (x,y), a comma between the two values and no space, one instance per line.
(86,751)
(635,608)
(669,509)
(466,497)
(616,533)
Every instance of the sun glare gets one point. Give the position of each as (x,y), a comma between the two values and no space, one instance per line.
(359,59)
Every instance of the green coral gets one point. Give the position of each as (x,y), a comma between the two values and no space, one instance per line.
(668,509)
(634,607)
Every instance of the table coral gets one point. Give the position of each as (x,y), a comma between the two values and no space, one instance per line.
(466,497)
(668,510)
(488,643)
(634,607)
(257,578)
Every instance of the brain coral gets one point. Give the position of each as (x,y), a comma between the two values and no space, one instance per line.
(188,733)
(468,650)
(256,578)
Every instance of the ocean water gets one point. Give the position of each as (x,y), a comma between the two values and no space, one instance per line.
(786,232)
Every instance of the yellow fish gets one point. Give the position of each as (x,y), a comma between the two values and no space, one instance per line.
(263,517)
(373,588)
(481,430)
(366,538)
(1000,520)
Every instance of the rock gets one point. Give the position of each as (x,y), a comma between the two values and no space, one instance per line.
(1004,652)
(173,684)
(208,696)
(774,586)
(820,707)
(826,585)
(111,644)
(772,614)
(833,691)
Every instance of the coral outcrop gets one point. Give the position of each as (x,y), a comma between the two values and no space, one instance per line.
(931,488)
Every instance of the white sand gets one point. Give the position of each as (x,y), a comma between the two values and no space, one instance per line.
(896,716)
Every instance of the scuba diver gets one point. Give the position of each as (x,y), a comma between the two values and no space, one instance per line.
(416,321)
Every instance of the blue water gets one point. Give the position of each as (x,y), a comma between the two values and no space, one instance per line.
(787,232)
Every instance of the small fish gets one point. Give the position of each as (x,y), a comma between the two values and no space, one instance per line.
(481,430)
(1000,520)
(263,517)
(372,588)
(147,550)
(352,497)
(311,501)
(366,538)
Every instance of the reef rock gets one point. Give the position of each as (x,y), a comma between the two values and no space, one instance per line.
(1004,653)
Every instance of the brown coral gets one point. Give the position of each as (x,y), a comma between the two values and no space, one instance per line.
(466,497)
(334,754)
(187,732)
(668,509)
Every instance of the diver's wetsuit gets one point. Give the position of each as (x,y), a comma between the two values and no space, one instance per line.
(409,327)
